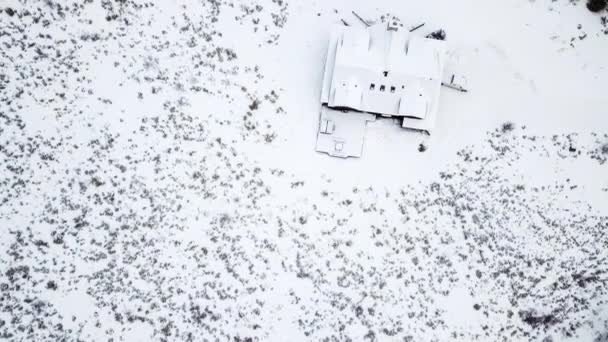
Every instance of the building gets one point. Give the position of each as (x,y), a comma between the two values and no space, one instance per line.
(377,71)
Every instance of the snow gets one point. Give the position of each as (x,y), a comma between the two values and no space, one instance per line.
(158,178)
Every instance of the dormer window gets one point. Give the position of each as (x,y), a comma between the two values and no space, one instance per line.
(385,73)
(372,86)
(393,89)
(382,87)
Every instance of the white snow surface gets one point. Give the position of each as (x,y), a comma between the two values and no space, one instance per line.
(158,179)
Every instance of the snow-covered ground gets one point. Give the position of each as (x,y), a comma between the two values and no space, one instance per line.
(158,179)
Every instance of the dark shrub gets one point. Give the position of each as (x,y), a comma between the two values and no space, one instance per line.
(596,5)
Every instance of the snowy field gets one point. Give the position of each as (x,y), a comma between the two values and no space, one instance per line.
(158,180)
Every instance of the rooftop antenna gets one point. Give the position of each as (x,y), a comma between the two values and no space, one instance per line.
(417,27)
(362,20)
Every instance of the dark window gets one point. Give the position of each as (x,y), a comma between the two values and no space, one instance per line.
(385,74)
(392,89)
(372,86)
(382,87)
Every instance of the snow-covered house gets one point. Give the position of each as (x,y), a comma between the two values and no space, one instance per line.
(377,71)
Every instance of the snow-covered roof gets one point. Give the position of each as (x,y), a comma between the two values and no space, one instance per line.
(372,71)
(385,72)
